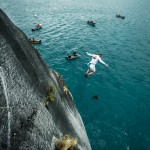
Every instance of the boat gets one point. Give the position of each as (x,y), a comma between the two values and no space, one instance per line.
(34,41)
(73,56)
(37,27)
(90,22)
(119,16)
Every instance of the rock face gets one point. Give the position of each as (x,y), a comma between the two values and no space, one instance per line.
(36,107)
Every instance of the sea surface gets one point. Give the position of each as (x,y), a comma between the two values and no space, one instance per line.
(120,118)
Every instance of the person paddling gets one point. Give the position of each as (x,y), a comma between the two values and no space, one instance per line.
(95,58)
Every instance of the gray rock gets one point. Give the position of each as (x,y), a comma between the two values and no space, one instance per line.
(28,120)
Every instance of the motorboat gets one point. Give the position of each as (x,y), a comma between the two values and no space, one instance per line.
(37,27)
(119,16)
(35,41)
(90,22)
(73,56)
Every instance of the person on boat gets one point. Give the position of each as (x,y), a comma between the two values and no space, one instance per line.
(95,58)
(38,25)
(90,21)
(74,53)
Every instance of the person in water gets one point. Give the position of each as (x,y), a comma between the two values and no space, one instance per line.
(95,58)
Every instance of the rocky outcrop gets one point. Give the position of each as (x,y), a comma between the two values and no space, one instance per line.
(36,108)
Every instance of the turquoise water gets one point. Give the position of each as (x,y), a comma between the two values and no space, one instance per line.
(120,118)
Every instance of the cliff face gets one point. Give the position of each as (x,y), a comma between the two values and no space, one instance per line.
(36,108)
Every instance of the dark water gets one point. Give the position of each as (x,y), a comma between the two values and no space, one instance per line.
(120,118)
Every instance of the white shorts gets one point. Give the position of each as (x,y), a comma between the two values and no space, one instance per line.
(92,67)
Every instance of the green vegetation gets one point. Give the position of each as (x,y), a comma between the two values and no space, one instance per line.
(49,95)
(66,143)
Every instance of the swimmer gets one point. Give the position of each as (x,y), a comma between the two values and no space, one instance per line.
(95,58)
